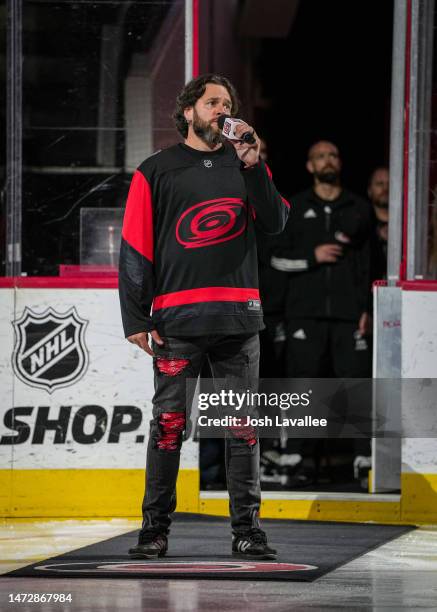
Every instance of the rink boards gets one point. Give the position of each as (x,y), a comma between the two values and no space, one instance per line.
(77,399)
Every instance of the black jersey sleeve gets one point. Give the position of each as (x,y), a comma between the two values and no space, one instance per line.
(136,272)
(270,208)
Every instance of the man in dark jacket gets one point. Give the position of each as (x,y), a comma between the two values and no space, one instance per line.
(188,277)
(378,191)
(325,250)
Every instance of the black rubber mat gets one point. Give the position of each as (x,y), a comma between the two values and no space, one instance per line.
(200,547)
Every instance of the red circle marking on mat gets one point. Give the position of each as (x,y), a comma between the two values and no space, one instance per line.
(178,566)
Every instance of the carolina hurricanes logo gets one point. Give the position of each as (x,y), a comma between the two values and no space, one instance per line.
(211,222)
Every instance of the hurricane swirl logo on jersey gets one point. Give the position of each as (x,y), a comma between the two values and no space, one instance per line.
(50,349)
(211,222)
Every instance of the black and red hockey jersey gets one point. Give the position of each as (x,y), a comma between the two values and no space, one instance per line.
(188,262)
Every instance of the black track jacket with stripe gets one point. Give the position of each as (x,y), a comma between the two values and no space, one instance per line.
(339,290)
(188,260)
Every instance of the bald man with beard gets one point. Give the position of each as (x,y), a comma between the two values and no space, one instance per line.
(325,251)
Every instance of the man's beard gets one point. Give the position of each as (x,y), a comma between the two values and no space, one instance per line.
(206,132)
(328,176)
(381,204)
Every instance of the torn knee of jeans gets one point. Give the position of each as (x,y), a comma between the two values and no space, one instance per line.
(171,426)
(171,366)
(244,432)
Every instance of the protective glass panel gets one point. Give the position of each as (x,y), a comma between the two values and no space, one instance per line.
(99,84)
(3,131)
(431,213)
(100,234)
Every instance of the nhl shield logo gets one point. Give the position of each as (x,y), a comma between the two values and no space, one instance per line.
(50,350)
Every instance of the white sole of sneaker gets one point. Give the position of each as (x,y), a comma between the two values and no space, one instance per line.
(270,557)
(140,555)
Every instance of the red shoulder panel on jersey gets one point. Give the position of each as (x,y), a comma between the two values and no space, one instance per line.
(138,217)
(269,172)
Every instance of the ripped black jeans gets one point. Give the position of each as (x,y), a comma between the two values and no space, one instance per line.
(230,356)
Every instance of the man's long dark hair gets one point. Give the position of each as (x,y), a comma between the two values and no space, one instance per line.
(195,90)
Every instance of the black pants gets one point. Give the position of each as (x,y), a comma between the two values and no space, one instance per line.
(272,344)
(325,348)
(272,360)
(322,348)
(234,357)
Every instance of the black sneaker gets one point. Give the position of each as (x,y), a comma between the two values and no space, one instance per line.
(252,545)
(151,545)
